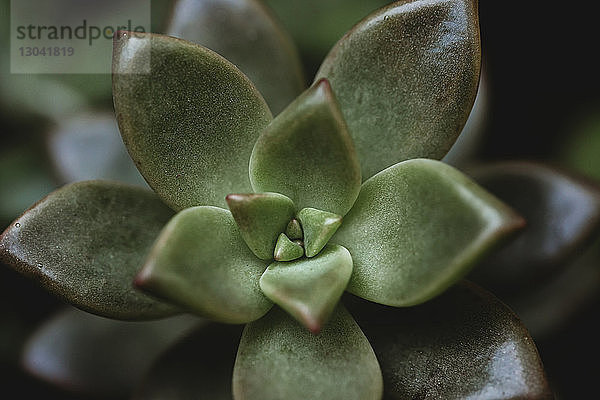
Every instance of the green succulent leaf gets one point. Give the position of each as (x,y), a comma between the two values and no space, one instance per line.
(309,288)
(294,230)
(418,227)
(200,262)
(245,33)
(261,217)
(85,242)
(279,359)
(96,356)
(307,154)
(286,250)
(319,227)
(465,344)
(198,367)
(562,212)
(188,117)
(406,78)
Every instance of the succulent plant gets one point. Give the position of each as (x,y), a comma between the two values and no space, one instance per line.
(338,192)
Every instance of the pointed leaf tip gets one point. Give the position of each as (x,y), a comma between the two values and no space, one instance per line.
(261,217)
(416,228)
(307,154)
(200,262)
(85,242)
(309,288)
(279,359)
(319,227)
(294,230)
(286,250)
(406,79)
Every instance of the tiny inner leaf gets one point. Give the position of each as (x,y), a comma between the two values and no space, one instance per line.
(286,250)
(294,230)
(319,226)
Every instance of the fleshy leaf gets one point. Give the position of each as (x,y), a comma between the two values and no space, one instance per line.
(201,263)
(307,154)
(465,344)
(188,117)
(245,33)
(85,242)
(261,217)
(279,359)
(406,78)
(96,356)
(309,289)
(286,250)
(294,230)
(418,227)
(198,367)
(562,213)
(319,227)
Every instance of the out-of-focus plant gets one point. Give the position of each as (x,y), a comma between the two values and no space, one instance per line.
(332,194)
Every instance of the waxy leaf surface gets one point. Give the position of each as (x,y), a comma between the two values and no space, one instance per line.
(309,288)
(188,117)
(261,217)
(465,344)
(245,33)
(307,154)
(406,78)
(286,250)
(279,359)
(319,227)
(86,241)
(418,227)
(201,262)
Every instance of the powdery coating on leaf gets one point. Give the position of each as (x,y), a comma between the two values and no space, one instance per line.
(86,241)
(416,228)
(307,154)
(200,262)
(279,359)
(261,217)
(309,288)
(190,124)
(406,78)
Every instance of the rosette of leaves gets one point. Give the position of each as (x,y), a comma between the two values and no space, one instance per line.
(339,192)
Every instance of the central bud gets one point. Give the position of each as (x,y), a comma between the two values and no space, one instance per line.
(290,245)
(272,229)
(306,234)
